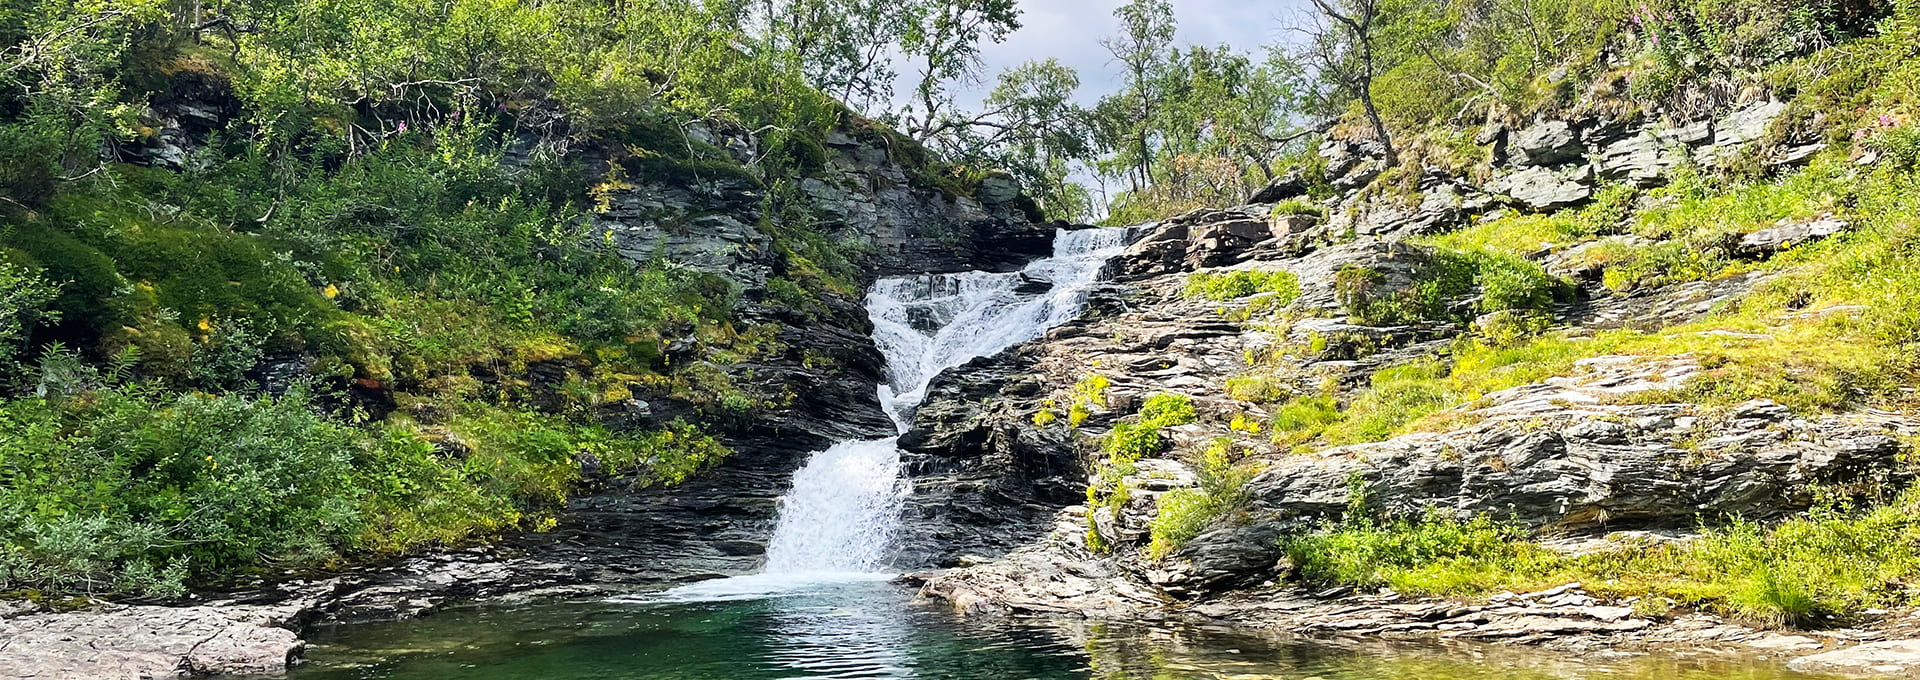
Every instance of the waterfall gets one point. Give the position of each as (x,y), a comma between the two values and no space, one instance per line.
(844,507)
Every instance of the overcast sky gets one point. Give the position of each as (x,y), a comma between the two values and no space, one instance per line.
(1070,30)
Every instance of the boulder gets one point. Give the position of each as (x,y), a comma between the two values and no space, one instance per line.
(997,190)
(1225,242)
(150,642)
(1290,185)
(1544,189)
(1643,158)
(1747,123)
(1789,233)
(1547,143)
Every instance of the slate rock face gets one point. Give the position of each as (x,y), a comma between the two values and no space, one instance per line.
(1542,188)
(1547,143)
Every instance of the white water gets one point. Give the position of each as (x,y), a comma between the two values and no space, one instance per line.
(844,508)
(838,521)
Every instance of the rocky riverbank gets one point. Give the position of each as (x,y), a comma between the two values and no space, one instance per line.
(1604,451)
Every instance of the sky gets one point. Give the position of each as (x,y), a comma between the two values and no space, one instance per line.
(1070,30)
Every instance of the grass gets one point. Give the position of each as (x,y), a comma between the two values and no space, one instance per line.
(1240,283)
(1820,569)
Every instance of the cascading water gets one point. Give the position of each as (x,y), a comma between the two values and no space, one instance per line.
(843,510)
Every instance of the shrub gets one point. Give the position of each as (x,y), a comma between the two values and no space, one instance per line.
(1132,441)
(1182,514)
(1241,283)
(122,490)
(23,299)
(130,489)
(1166,410)
(1298,206)
(1503,281)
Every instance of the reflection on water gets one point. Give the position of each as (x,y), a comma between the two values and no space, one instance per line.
(861,628)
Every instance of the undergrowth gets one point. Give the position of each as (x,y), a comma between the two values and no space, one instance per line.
(1821,569)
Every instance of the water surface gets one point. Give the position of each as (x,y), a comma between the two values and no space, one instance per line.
(776,628)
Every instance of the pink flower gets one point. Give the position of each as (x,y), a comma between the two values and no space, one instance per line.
(1886,120)
(402,129)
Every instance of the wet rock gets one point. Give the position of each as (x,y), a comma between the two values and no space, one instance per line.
(1898,658)
(985,478)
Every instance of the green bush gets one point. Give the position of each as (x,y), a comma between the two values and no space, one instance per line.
(1132,441)
(1299,206)
(1166,410)
(1182,514)
(1240,283)
(23,299)
(132,489)
(1446,278)
(108,490)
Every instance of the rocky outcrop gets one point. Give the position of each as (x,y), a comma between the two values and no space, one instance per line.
(984,482)
(1605,447)
(1892,658)
(865,197)
(136,643)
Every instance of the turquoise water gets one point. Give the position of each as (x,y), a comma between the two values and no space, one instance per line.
(870,630)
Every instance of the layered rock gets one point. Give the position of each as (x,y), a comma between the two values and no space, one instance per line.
(1606,447)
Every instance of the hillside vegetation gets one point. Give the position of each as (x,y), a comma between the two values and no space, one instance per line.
(290,283)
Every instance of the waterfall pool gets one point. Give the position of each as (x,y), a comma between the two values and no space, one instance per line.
(823,608)
(762,628)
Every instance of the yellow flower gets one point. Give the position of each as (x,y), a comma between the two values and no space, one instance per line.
(331,291)
(205,324)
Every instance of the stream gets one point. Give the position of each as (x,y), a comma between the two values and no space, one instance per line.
(824,606)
